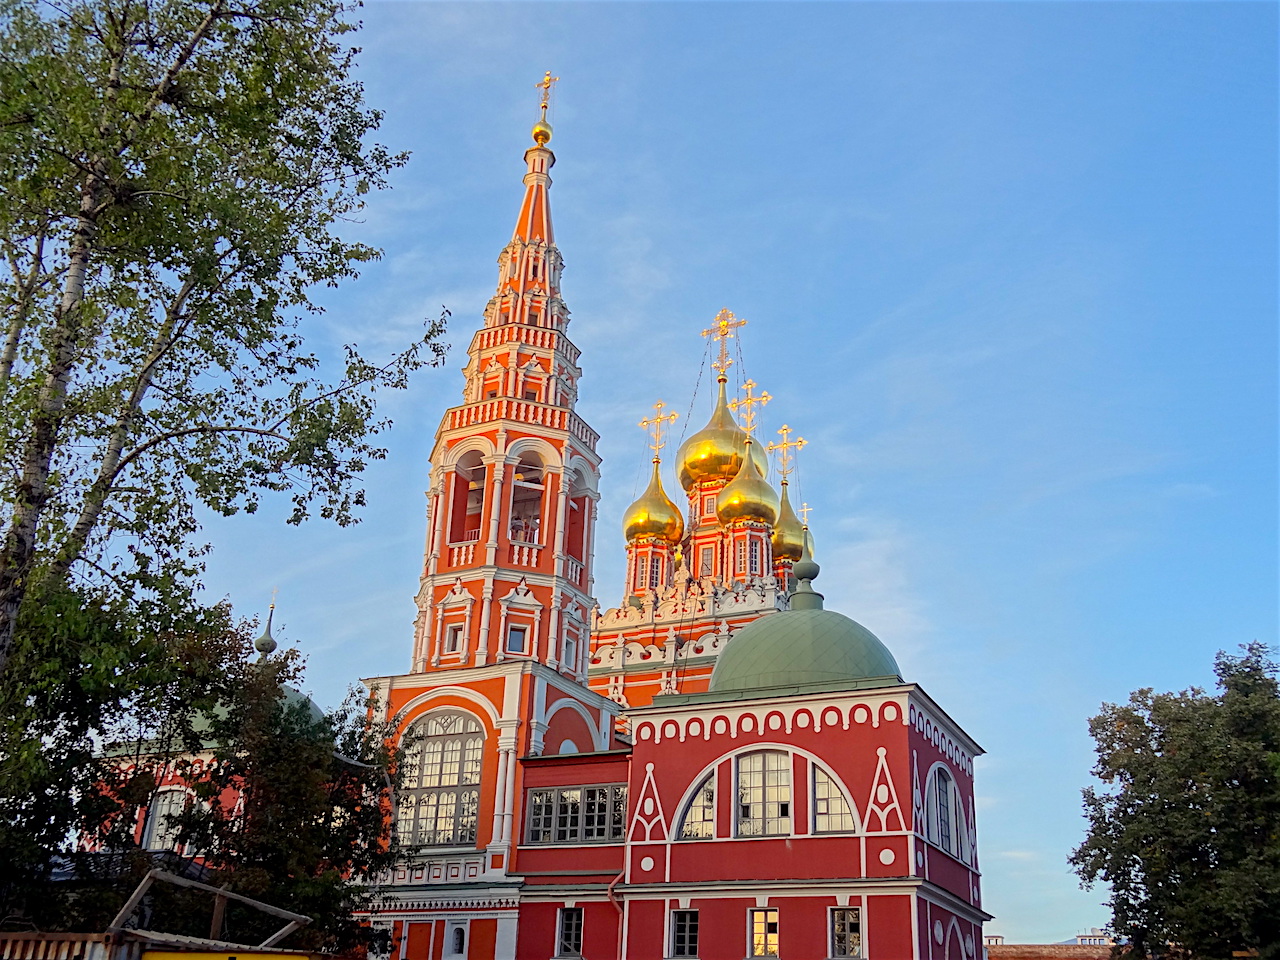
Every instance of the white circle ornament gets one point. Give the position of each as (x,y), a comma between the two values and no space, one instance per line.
(882,793)
(648,809)
(646,864)
(920,859)
(887,856)
(937,931)
(968,945)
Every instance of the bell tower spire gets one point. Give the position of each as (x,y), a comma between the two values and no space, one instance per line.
(507,572)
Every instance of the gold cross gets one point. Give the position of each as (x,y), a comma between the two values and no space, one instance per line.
(655,424)
(786,459)
(726,323)
(545,86)
(748,405)
(804,514)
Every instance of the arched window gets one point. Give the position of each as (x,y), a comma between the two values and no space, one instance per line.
(945,814)
(161,832)
(831,812)
(764,794)
(440,798)
(699,821)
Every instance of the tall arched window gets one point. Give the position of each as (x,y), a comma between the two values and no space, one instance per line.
(439,801)
(161,830)
(945,814)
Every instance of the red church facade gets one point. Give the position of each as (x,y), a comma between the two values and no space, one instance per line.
(718,767)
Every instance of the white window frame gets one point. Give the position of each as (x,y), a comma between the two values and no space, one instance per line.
(512,630)
(831,932)
(453,641)
(153,831)
(782,825)
(816,771)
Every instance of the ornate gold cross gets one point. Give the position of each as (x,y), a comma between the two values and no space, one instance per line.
(786,459)
(748,406)
(655,425)
(804,514)
(726,323)
(545,86)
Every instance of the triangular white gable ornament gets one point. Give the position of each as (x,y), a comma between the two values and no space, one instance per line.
(883,803)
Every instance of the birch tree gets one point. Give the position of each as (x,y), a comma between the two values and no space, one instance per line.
(175,175)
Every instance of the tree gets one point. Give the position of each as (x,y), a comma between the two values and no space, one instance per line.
(288,805)
(1186,829)
(175,173)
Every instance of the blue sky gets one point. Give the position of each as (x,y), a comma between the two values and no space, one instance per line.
(1010,268)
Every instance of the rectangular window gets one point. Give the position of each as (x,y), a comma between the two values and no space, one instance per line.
(655,572)
(764,794)
(453,638)
(162,820)
(531,395)
(740,557)
(569,936)
(709,506)
(764,932)
(570,650)
(684,933)
(542,805)
(755,557)
(707,563)
(640,572)
(590,814)
(516,637)
(846,932)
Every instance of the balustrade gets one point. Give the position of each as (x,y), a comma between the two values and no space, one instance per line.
(525,554)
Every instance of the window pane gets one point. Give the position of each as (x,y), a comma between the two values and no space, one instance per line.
(570,932)
(764,933)
(595,817)
(831,813)
(618,815)
(846,932)
(684,933)
(568,815)
(764,794)
(447,750)
(944,810)
(541,814)
(700,818)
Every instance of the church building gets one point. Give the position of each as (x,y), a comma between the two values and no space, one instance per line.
(716,768)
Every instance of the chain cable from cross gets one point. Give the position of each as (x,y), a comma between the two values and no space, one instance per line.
(656,425)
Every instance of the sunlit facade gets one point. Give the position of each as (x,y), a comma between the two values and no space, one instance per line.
(716,767)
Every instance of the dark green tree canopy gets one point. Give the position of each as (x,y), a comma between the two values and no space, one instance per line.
(1186,827)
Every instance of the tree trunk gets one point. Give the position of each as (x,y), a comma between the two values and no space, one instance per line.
(19,548)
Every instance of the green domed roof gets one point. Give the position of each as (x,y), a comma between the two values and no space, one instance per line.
(801,647)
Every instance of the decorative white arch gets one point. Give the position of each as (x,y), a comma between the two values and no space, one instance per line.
(548,454)
(814,760)
(572,704)
(590,476)
(462,693)
(479,443)
(959,827)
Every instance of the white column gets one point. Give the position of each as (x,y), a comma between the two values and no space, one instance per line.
(486,605)
(500,795)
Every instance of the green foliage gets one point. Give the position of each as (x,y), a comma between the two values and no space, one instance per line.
(1186,830)
(175,174)
(85,676)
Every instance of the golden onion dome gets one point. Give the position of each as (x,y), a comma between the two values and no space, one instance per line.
(748,496)
(788,532)
(715,451)
(653,515)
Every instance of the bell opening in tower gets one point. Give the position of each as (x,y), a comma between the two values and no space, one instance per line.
(467,507)
(527,492)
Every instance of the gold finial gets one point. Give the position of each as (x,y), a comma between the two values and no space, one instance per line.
(655,425)
(274,591)
(726,323)
(804,514)
(542,129)
(748,405)
(786,459)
